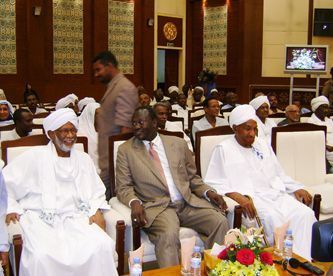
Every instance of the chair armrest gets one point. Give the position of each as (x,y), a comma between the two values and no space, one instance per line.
(13,230)
(122,209)
(111,218)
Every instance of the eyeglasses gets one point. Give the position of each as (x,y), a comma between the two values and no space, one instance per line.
(66,131)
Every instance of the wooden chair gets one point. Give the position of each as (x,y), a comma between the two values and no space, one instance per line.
(300,149)
(277,117)
(8,127)
(133,233)
(41,115)
(11,149)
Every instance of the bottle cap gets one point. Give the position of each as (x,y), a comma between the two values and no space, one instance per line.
(197,249)
(136,260)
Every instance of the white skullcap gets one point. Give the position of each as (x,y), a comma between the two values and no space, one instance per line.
(10,107)
(65,101)
(58,118)
(82,103)
(316,102)
(241,114)
(259,101)
(214,90)
(199,88)
(173,89)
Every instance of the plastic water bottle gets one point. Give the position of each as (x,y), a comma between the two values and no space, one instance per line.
(196,262)
(288,245)
(136,269)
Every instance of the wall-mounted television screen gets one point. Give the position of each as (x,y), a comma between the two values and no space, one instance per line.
(308,59)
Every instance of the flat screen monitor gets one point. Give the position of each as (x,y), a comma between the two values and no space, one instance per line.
(308,59)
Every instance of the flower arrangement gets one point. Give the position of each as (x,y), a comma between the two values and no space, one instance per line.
(206,76)
(243,255)
(304,59)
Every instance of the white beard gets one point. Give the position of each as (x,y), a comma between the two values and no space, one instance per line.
(61,145)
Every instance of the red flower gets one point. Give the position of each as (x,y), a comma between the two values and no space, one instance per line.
(245,256)
(223,255)
(266,258)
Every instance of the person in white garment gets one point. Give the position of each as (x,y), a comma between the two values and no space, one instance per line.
(261,105)
(84,102)
(321,111)
(88,128)
(6,113)
(4,246)
(245,165)
(182,109)
(211,119)
(70,101)
(31,99)
(57,196)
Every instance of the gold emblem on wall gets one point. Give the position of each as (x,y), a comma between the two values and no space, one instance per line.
(170,31)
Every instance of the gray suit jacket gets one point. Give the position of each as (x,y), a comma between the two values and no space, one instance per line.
(137,177)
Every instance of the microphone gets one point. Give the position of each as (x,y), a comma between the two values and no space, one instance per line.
(294,263)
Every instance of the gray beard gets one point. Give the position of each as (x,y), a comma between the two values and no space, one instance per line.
(61,145)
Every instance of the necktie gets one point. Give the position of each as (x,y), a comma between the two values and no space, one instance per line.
(154,156)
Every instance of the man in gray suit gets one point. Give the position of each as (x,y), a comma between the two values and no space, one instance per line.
(117,107)
(156,177)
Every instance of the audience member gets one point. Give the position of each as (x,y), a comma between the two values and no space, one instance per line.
(196,98)
(117,107)
(182,109)
(4,245)
(84,102)
(211,119)
(141,90)
(159,97)
(246,169)
(214,93)
(88,127)
(58,199)
(186,88)
(156,177)
(292,115)
(328,88)
(162,111)
(273,101)
(144,99)
(302,109)
(6,113)
(265,124)
(70,101)
(31,99)
(230,101)
(173,94)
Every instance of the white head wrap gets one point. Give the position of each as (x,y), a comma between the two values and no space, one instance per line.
(65,101)
(316,102)
(214,90)
(259,101)
(82,103)
(241,114)
(10,107)
(58,118)
(2,95)
(199,88)
(172,89)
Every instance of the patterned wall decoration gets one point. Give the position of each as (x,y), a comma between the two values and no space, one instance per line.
(68,36)
(215,39)
(7,37)
(121,33)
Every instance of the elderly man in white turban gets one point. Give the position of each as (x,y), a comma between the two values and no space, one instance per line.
(70,101)
(261,105)
(84,102)
(55,193)
(321,111)
(244,165)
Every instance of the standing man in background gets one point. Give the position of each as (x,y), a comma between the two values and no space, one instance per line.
(117,107)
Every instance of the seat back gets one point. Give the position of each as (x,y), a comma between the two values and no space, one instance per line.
(206,141)
(177,120)
(12,149)
(300,149)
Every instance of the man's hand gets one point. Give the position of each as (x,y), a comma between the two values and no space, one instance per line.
(14,217)
(4,258)
(138,213)
(98,219)
(245,203)
(303,196)
(217,200)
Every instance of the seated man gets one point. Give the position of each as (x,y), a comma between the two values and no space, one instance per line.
(71,101)
(144,99)
(84,102)
(273,101)
(230,101)
(156,177)
(211,119)
(173,94)
(4,247)
(182,109)
(195,99)
(292,115)
(56,194)
(244,165)
(31,99)
(264,124)
(299,103)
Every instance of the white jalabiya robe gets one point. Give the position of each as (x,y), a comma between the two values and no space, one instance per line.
(329,137)
(256,172)
(265,129)
(55,198)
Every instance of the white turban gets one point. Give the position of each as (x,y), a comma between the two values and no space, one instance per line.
(199,88)
(316,102)
(259,101)
(214,90)
(241,114)
(82,103)
(58,118)
(10,107)
(173,89)
(65,101)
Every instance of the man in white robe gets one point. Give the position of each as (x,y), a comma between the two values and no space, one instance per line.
(4,247)
(246,165)
(262,106)
(182,109)
(70,101)
(58,198)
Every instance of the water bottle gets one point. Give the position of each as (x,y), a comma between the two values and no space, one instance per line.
(196,262)
(136,269)
(288,245)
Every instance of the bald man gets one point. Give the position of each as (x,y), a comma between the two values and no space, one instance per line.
(293,115)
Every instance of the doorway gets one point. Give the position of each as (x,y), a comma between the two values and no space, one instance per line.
(167,69)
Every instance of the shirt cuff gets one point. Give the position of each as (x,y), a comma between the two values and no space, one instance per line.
(205,194)
(129,204)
